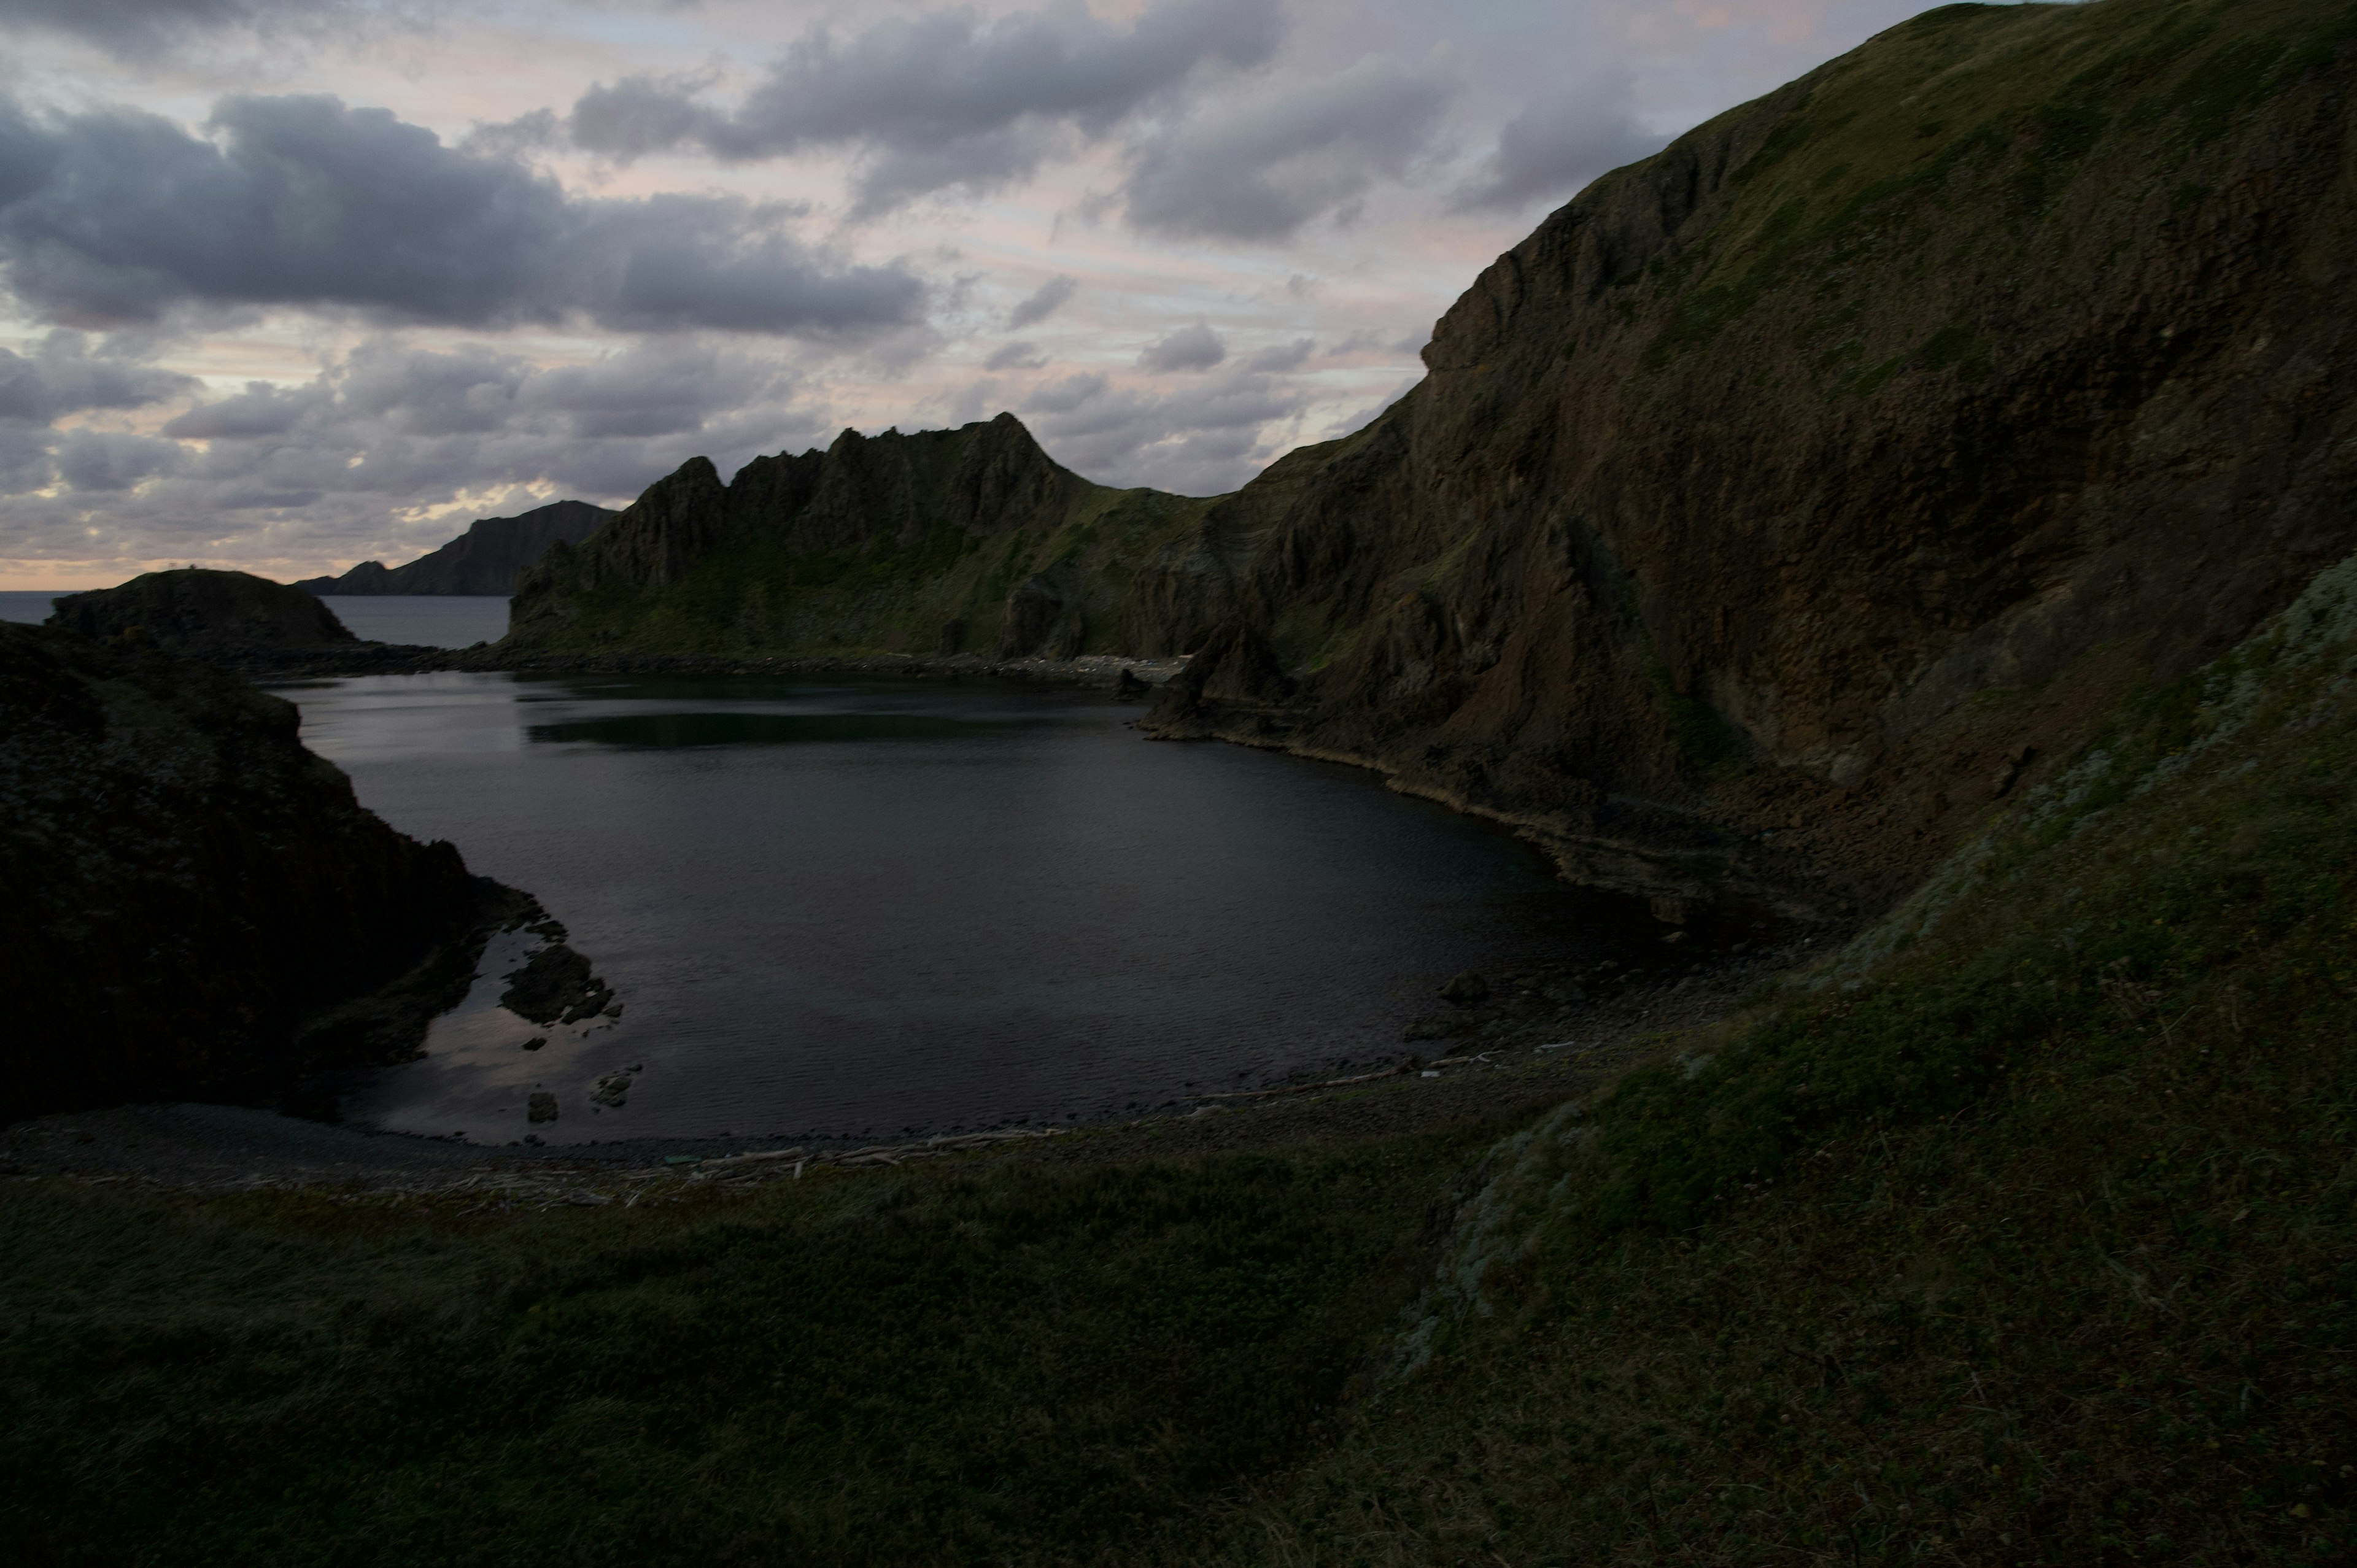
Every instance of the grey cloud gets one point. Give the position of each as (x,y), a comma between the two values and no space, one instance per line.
(1016,357)
(142,28)
(64,377)
(260,409)
(1069,394)
(1196,347)
(1283,356)
(325,471)
(1552,150)
(1042,303)
(1205,438)
(121,216)
(940,100)
(114,460)
(1261,170)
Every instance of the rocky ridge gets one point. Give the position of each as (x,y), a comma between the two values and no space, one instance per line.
(484,560)
(934,544)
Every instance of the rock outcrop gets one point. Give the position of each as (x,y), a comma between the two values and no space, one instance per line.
(213,616)
(483,560)
(940,542)
(1822,476)
(198,907)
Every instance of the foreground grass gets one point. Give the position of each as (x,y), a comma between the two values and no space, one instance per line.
(2025,1232)
(997,1363)
(2026,1236)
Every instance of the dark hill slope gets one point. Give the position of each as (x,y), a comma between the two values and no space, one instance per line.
(201,614)
(1825,473)
(483,560)
(197,906)
(938,541)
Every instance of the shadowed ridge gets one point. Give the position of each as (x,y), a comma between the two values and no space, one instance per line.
(935,542)
(483,560)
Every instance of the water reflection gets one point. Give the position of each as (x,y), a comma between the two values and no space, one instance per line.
(874,907)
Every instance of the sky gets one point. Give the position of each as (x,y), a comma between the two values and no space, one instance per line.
(286,285)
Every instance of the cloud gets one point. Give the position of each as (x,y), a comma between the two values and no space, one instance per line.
(116,216)
(362,459)
(1043,302)
(1260,170)
(1551,148)
(1016,357)
(1206,438)
(1196,347)
(939,99)
(1282,358)
(142,29)
(114,460)
(64,377)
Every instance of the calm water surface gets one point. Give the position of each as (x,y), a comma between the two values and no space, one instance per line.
(874,907)
(425,620)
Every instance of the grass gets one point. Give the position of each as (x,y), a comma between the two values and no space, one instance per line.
(2021,1232)
(994,1363)
(2024,1235)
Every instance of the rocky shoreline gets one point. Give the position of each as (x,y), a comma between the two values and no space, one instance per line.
(1534,1039)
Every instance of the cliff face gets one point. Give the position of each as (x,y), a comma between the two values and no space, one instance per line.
(1821,477)
(483,560)
(940,541)
(197,906)
(215,615)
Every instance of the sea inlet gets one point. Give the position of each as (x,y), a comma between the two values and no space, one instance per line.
(877,908)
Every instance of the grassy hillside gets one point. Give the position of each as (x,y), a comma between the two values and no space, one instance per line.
(761,595)
(2021,1232)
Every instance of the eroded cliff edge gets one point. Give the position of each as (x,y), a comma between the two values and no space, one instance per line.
(1791,495)
(196,906)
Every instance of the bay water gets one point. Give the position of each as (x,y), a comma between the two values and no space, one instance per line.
(873,908)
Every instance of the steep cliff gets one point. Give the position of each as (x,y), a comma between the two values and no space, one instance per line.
(1790,496)
(937,543)
(483,560)
(197,906)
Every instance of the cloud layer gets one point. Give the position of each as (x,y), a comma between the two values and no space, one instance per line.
(940,100)
(116,216)
(331,468)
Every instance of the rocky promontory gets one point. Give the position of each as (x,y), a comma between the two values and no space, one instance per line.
(198,907)
(484,560)
(202,613)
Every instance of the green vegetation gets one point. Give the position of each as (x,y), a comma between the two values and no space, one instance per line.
(1953,125)
(988,1363)
(2021,1232)
(761,595)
